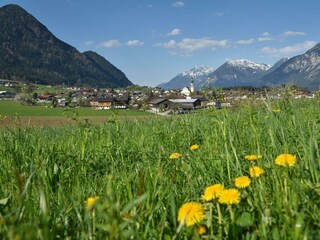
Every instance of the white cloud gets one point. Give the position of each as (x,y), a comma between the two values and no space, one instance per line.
(264,39)
(288,50)
(174,32)
(265,36)
(178,4)
(293,34)
(88,43)
(189,45)
(135,43)
(248,41)
(110,43)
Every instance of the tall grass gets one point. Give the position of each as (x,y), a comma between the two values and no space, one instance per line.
(48,174)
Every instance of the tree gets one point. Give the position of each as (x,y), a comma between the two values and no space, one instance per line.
(54,102)
(35,95)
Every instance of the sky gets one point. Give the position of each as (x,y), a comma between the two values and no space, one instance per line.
(152,41)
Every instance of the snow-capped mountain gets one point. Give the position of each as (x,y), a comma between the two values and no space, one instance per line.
(197,74)
(237,73)
(302,70)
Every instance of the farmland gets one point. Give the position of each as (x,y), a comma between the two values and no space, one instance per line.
(150,179)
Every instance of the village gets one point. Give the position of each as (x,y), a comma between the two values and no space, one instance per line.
(156,100)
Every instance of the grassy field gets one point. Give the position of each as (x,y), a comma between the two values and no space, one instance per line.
(14,108)
(119,180)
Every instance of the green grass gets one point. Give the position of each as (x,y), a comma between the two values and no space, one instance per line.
(47,174)
(14,108)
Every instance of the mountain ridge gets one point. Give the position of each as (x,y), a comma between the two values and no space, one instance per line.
(196,74)
(31,53)
(302,70)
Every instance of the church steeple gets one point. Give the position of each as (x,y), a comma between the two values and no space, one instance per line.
(191,85)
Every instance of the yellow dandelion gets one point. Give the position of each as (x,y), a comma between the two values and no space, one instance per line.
(90,202)
(201,229)
(191,213)
(276,110)
(286,160)
(229,196)
(255,171)
(242,182)
(175,155)
(253,157)
(212,192)
(194,147)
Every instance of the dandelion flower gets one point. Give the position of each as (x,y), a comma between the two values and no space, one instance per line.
(253,157)
(255,171)
(276,110)
(242,182)
(191,213)
(194,147)
(175,155)
(212,192)
(90,202)
(201,229)
(286,160)
(229,196)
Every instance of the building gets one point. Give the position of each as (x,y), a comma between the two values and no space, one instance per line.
(186,104)
(160,104)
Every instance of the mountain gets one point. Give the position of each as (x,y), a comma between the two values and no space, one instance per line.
(277,64)
(31,53)
(302,70)
(197,74)
(237,73)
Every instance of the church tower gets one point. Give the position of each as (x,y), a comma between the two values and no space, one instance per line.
(191,86)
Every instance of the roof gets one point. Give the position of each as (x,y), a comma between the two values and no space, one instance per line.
(200,97)
(107,99)
(183,100)
(157,100)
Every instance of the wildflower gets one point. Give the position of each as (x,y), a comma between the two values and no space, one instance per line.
(191,213)
(201,229)
(242,182)
(212,192)
(90,202)
(253,157)
(276,110)
(194,147)
(229,196)
(255,171)
(286,160)
(175,155)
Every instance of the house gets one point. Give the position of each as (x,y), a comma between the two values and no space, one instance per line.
(102,103)
(121,101)
(6,95)
(203,100)
(185,91)
(159,104)
(187,103)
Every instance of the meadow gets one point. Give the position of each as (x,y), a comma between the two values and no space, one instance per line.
(245,173)
(13,113)
(14,108)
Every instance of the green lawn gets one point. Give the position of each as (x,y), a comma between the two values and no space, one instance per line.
(13,108)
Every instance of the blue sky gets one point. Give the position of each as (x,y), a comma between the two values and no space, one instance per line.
(152,41)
